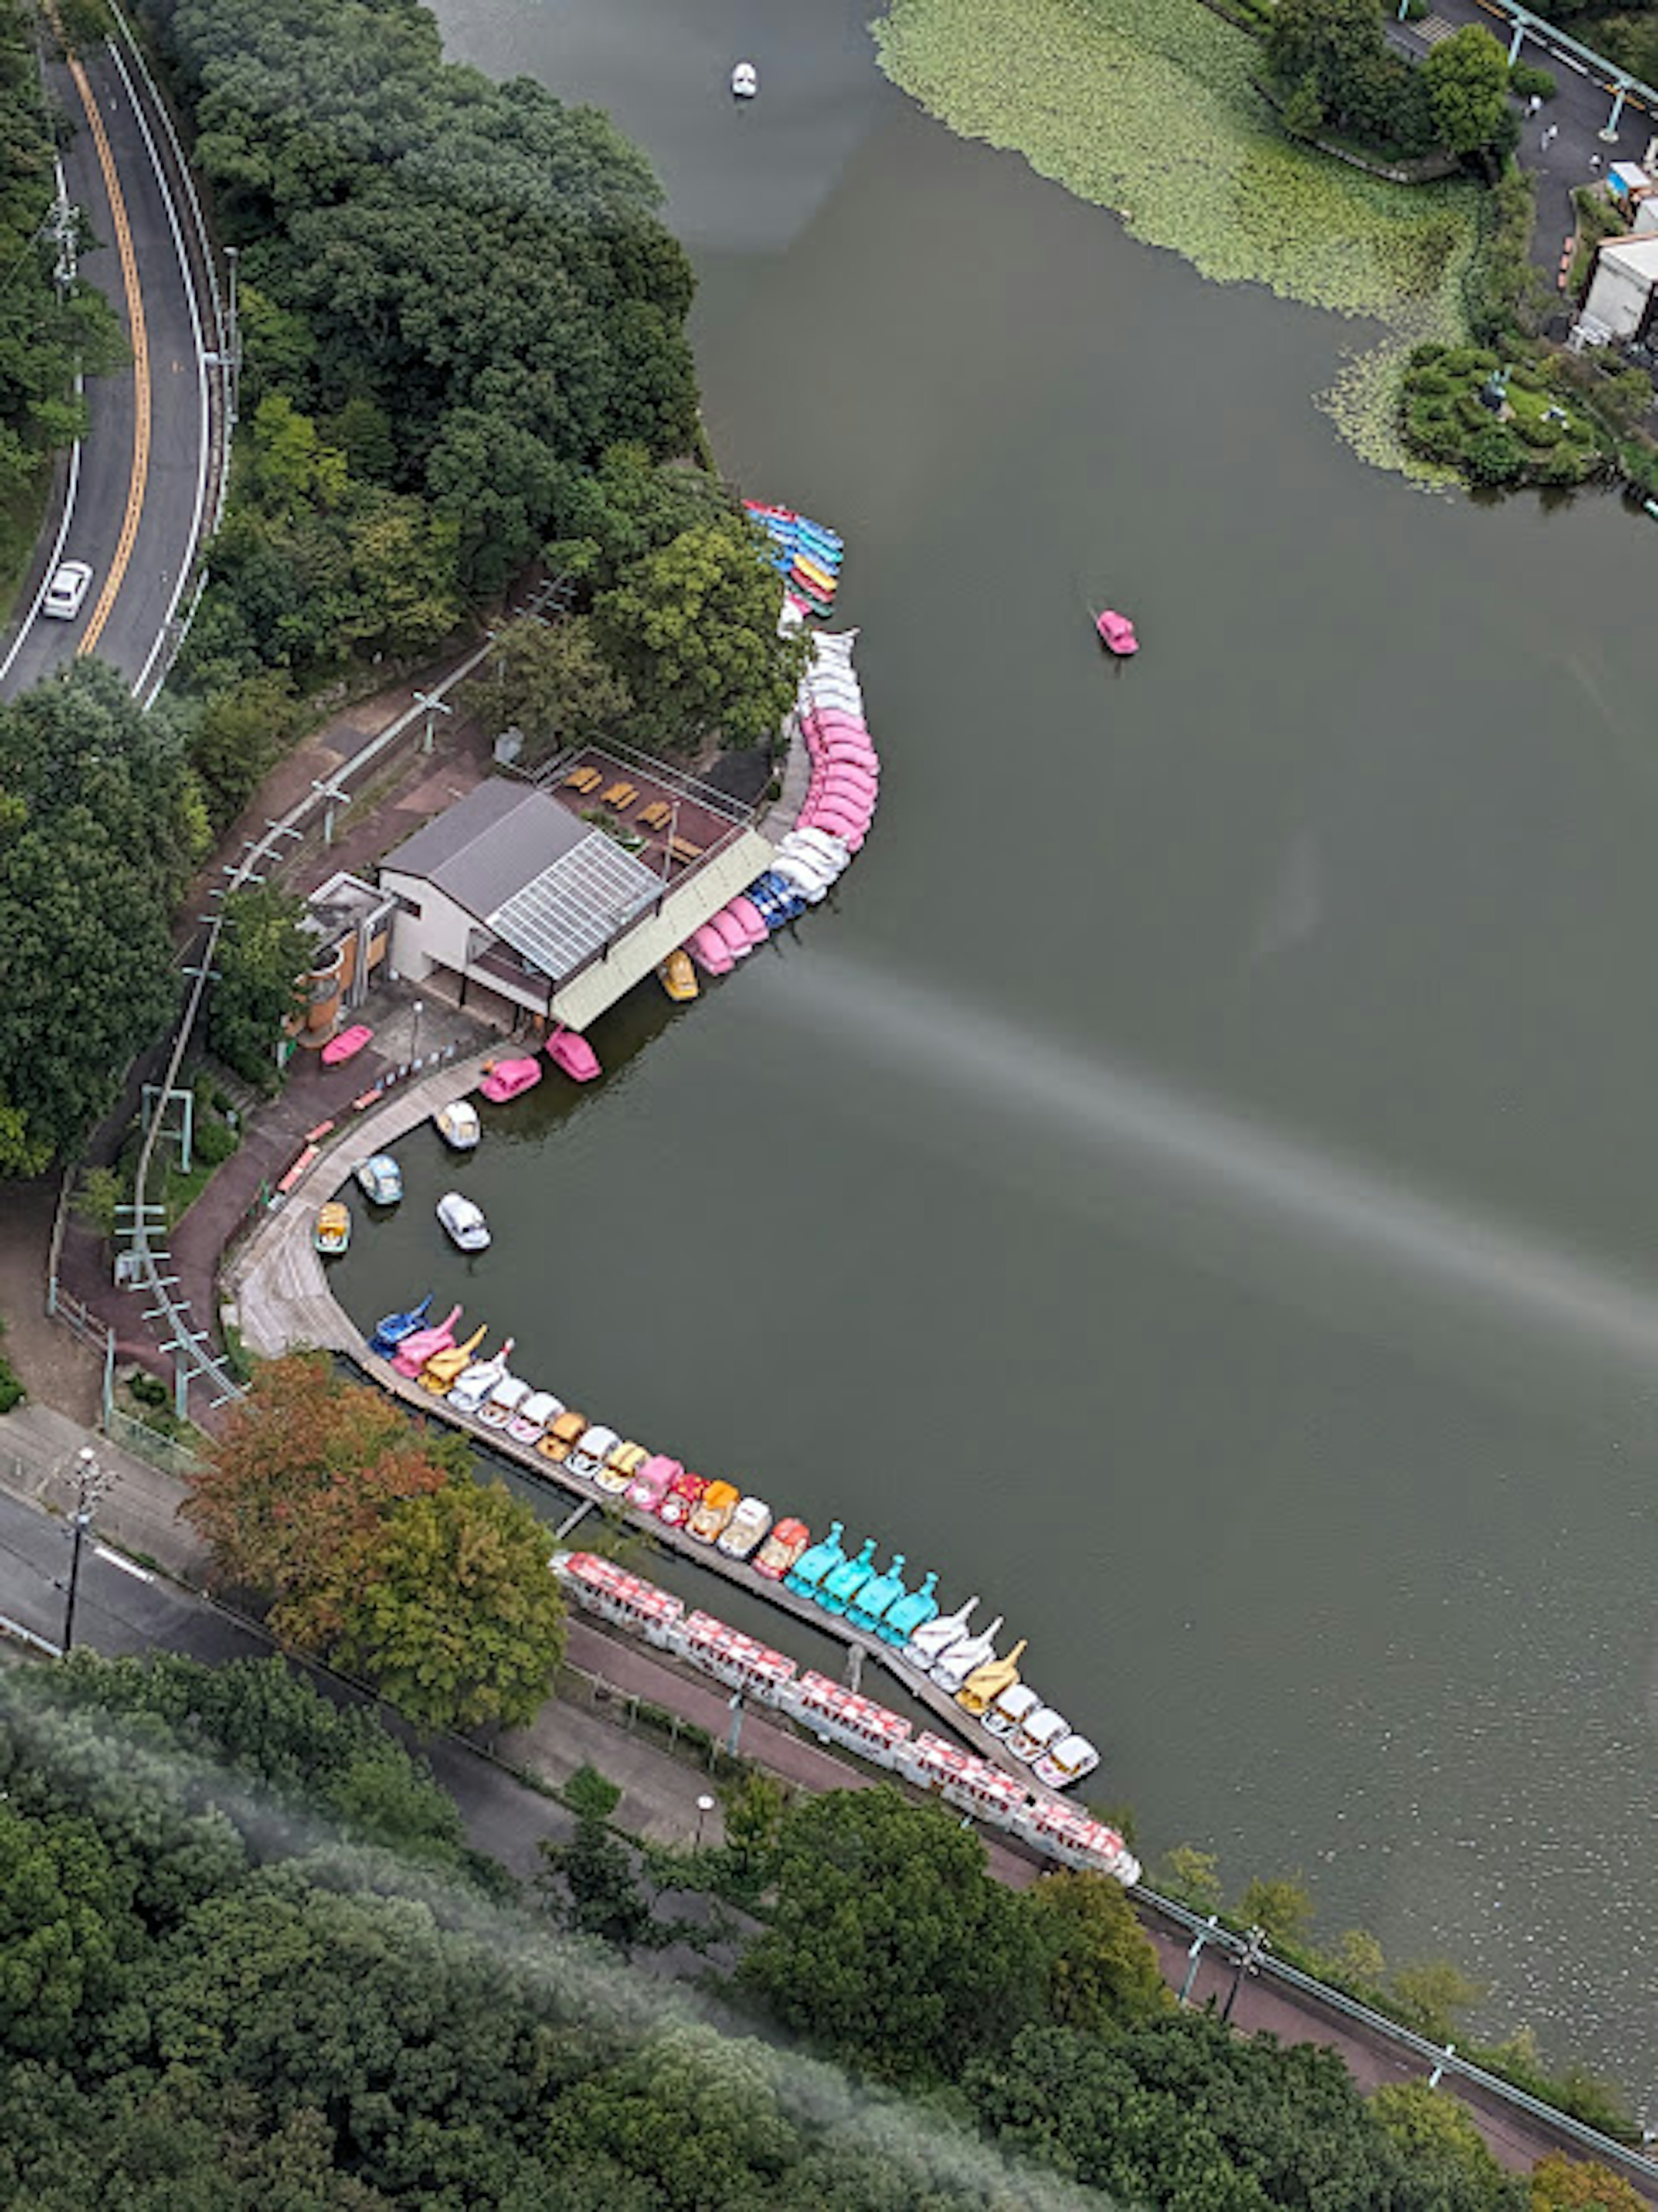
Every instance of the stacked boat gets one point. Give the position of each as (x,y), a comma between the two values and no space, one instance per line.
(832,824)
(808,555)
(1068,1834)
(848,1585)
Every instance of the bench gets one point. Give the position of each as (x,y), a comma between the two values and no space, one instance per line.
(619,795)
(656,816)
(583,780)
(682,849)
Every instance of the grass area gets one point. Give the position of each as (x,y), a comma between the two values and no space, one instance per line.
(1544,435)
(21,518)
(1158,93)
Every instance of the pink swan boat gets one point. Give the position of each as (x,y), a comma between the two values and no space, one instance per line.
(508,1078)
(570,1050)
(747,916)
(414,1351)
(709,951)
(731,933)
(1117,632)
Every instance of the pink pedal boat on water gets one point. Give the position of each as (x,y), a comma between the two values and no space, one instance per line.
(414,1351)
(1116,632)
(570,1050)
(508,1078)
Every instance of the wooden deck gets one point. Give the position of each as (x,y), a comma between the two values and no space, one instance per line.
(285,1305)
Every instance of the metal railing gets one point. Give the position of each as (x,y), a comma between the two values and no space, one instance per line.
(1441,2058)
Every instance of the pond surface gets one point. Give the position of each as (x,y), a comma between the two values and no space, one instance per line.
(1194,1187)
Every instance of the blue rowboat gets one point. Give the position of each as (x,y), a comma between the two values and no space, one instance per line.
(395,1328)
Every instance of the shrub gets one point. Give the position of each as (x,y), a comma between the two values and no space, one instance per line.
(1428,381)
(11,1391)
(1527,81)
(590,1794)
(1493,458)
(1535,432)
(214,1142)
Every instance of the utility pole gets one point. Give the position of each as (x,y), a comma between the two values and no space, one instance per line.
(433,706)
(91,1483)
(233,341)
(1248,1962)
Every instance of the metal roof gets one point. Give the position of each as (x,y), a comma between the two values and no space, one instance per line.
(577,904)
(491,845)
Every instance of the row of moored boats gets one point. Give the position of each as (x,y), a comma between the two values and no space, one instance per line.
(942,1647)
(834,820)
(1015,1801)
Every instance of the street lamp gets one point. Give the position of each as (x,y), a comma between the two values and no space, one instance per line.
(414,1037)
(91,1483)
(704,1807)
(1248,1962)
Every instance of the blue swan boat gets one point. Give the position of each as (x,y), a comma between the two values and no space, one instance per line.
(810,1569)
(902,1617)
(877,1594)
(392,1331)
(837,1589)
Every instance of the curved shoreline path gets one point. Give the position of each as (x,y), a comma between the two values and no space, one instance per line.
(283,1303)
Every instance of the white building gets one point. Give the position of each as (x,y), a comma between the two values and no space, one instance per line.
(512,906)
(1621,292)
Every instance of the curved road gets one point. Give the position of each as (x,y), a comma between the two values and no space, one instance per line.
(139,493)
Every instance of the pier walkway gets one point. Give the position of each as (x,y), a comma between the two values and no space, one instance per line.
(279,1298)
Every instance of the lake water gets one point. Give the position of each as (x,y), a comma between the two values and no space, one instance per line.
(1193,1185)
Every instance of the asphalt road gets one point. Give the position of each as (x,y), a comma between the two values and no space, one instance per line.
(139,491)
(1582,106)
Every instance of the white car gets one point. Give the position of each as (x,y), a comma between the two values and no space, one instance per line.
(66,592)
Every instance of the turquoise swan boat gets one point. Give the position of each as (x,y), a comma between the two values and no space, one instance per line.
(836,1591)
(906,1614)
(810,1569)
(877,1594)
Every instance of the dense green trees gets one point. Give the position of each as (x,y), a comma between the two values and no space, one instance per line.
(262,955)
(458,1620)
(457,296)
(693,628)
(45,334)
(220,1992)
(100,821)
(377,1546)
(1467,80)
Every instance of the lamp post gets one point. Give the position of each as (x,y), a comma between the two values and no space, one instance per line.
(704,1807)
(414,1038)
(91,1483)
(1248,1962)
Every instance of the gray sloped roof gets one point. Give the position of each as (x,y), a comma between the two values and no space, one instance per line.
(489,846)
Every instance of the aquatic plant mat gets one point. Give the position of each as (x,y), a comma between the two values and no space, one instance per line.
(1127,102)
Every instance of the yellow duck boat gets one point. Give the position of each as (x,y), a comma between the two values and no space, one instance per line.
(677,977)
(445,1369)
(985,1684)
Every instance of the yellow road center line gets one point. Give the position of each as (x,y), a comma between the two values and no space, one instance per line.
(135,506)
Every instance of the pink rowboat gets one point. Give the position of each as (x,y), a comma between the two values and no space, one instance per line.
(570,1050)
(508,1078)
(414,1351)
(346,1045)
(1116,632)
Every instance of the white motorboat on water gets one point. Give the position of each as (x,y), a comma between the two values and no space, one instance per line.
(1014,1706)
(746,81)
(503,1401)
(380,1180)
(934,1638)
(458,1125)
(1038,1733)
(534,1417)
(963,1658)
(464,1222)
(1071,1759)
(592,1449)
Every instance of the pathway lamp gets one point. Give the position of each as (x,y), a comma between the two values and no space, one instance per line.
(1248,1962)
(704,1807)
(91,1482)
